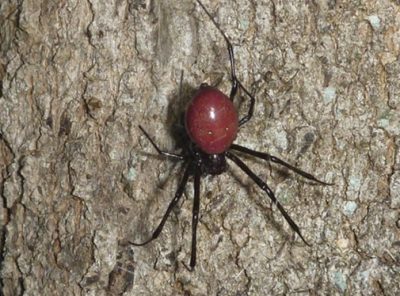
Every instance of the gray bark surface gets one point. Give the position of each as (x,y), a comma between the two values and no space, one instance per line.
(78,180)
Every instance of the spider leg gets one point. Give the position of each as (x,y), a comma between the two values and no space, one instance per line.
(230,51)
(235,82)
(195,218)
(263,186)
(250,112)
(172,204)
(274,159)
(161,152)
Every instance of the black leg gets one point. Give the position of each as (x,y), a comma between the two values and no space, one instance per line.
(274,159)
(230,51)
(172,204)
(269,192)
(180,87)
(195,218)
(168,154)
(250,112)
(235,82)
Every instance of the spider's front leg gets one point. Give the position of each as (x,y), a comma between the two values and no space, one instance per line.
(263,186)
(172,204)
(195,217)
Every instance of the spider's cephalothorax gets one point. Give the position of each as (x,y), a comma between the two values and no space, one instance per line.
(210,164)
(211,123)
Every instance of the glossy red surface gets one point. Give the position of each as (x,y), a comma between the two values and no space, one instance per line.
(211,120)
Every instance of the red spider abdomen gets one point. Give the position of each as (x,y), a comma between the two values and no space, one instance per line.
(211,120)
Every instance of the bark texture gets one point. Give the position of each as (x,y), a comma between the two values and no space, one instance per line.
(78,179)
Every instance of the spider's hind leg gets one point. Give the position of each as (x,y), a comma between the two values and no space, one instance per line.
(234,80)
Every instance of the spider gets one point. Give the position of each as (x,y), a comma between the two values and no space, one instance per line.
(211,124)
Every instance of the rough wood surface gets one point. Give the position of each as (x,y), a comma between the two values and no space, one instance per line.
(78,179)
